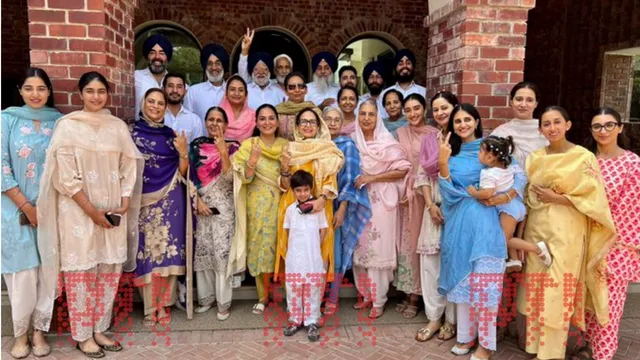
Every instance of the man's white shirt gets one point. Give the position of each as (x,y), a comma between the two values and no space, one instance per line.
(144,80)
(186,121)
(317,97)
(201,97)
(413,89)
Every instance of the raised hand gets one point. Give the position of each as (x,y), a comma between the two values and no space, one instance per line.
(256,151)
(286,158)
(246,41)
(445,149)
(220,143)
(181,144)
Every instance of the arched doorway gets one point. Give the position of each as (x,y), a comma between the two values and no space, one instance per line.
(186,49)
(363,49)
(275,41)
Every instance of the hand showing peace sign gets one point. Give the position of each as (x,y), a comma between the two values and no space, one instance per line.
(220,143)
(256,151)
(246,41)
(445,149)
(181,144)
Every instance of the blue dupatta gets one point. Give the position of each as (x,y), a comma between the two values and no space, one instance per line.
(359,208)
(393,126)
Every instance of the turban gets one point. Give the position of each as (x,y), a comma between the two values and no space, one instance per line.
(154,40)
(326,56)
(255,58)
(215,50)
(405,52)
(376,66)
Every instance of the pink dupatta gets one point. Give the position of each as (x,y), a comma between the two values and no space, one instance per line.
(411,139)
(241,128)
(382,154)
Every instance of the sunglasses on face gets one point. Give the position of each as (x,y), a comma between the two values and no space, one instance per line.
(298,86)
(607,126)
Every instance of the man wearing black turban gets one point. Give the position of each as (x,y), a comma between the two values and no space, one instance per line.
(323,91)
(256,69)
(158,51)
(405,62)
(214,59)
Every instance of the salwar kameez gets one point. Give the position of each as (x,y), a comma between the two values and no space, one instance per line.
(621,178)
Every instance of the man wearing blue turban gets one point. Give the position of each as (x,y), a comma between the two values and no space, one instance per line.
(256,69)
(323,90)
(405,62)
(158,51)
(214,59)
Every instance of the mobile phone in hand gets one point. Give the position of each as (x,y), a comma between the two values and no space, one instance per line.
(113,219)
(24,220)
(214,211)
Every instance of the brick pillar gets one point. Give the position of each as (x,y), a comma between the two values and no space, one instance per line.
(617,83)
(71,37)
(476,50)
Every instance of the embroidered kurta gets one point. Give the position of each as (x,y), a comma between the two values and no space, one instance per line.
(23,155)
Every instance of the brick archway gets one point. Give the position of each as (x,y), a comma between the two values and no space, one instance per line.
(387,30)
(149,16)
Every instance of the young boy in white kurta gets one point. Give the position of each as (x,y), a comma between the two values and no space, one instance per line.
(304,267)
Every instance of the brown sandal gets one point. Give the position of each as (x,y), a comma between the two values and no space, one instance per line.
(410,312)
(401,307)
(447,332)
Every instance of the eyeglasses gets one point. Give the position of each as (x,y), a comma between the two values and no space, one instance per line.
(607,126)
(294,86)
(310,123)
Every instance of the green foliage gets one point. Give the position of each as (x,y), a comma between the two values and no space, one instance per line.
(186,60)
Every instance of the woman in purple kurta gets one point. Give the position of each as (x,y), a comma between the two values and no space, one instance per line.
(165,223)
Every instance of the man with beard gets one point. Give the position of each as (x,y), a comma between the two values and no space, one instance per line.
(405,62)
(348,75)
(200,97)
(323,91)
(261,90)
(158,50)
(283,67)
(177,117)
(373,74)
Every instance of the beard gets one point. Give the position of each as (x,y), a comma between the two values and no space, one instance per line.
(281,79)
(322,83)
(375,89)
(260,81)
(157,69)
(173,101)
(215,78)
(405,78)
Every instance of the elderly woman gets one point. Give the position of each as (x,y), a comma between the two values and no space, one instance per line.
(352,206)
(384,166)
(211,164)
(235,105)
(392,102)
(314,152)
(566,189)
(256,167)
(166,219)
(348,102)
(26,133)
(435,304)
(89,190)
(296,87)
(620,171)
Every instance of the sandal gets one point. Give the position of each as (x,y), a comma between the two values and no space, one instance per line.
(401,307)
(376,312)
(584,353)
(362,304)
(545,256)
(258,308)
(165,320)
(330,308)
(21,352)
(474,357)
(459,350)
(447,332)
(115,347)
(425,334)
(150,320)
(410,312)
(91,354)
(513,265)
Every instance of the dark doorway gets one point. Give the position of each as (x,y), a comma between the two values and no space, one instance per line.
(275,42)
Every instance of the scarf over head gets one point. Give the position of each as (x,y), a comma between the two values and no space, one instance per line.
(411,138)
(429,152)
(240,128)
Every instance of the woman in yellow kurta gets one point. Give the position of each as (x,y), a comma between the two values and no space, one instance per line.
(256,167)
(568,210)
(314,152)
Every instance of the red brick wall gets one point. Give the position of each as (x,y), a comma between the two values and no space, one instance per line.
(321,25)
(566,42)
(617,83)
(15,48)
(71,37)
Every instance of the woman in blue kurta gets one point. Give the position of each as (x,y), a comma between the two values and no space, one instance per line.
(473,245)
(26,133)
(352,207)
(165,248)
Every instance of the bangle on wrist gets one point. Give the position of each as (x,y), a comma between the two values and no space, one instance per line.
(252,167)
(285,174)
(443,177)
(430,206)
(508,197)
(23,204)
(323,196)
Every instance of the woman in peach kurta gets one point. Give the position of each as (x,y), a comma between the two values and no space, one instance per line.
(92,168)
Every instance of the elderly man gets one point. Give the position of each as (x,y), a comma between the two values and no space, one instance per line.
(323,91)
(177,117)
(283,66)
(158,50)
(405,62)
(373,75)
(348,75)
(200,97)
(260,88)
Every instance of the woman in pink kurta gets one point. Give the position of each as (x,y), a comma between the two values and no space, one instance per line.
(235,105)
(384,166)
(407,276)
(621,173)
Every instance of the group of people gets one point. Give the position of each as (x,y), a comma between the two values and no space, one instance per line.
(300,183)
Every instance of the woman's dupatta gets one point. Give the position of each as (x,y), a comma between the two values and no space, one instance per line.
(162,171)
(576,175)
(267,174)
(74,130)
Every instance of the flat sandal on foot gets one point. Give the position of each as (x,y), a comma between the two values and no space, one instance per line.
(41,350)
(91,354)
(21,352)
(115,347)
